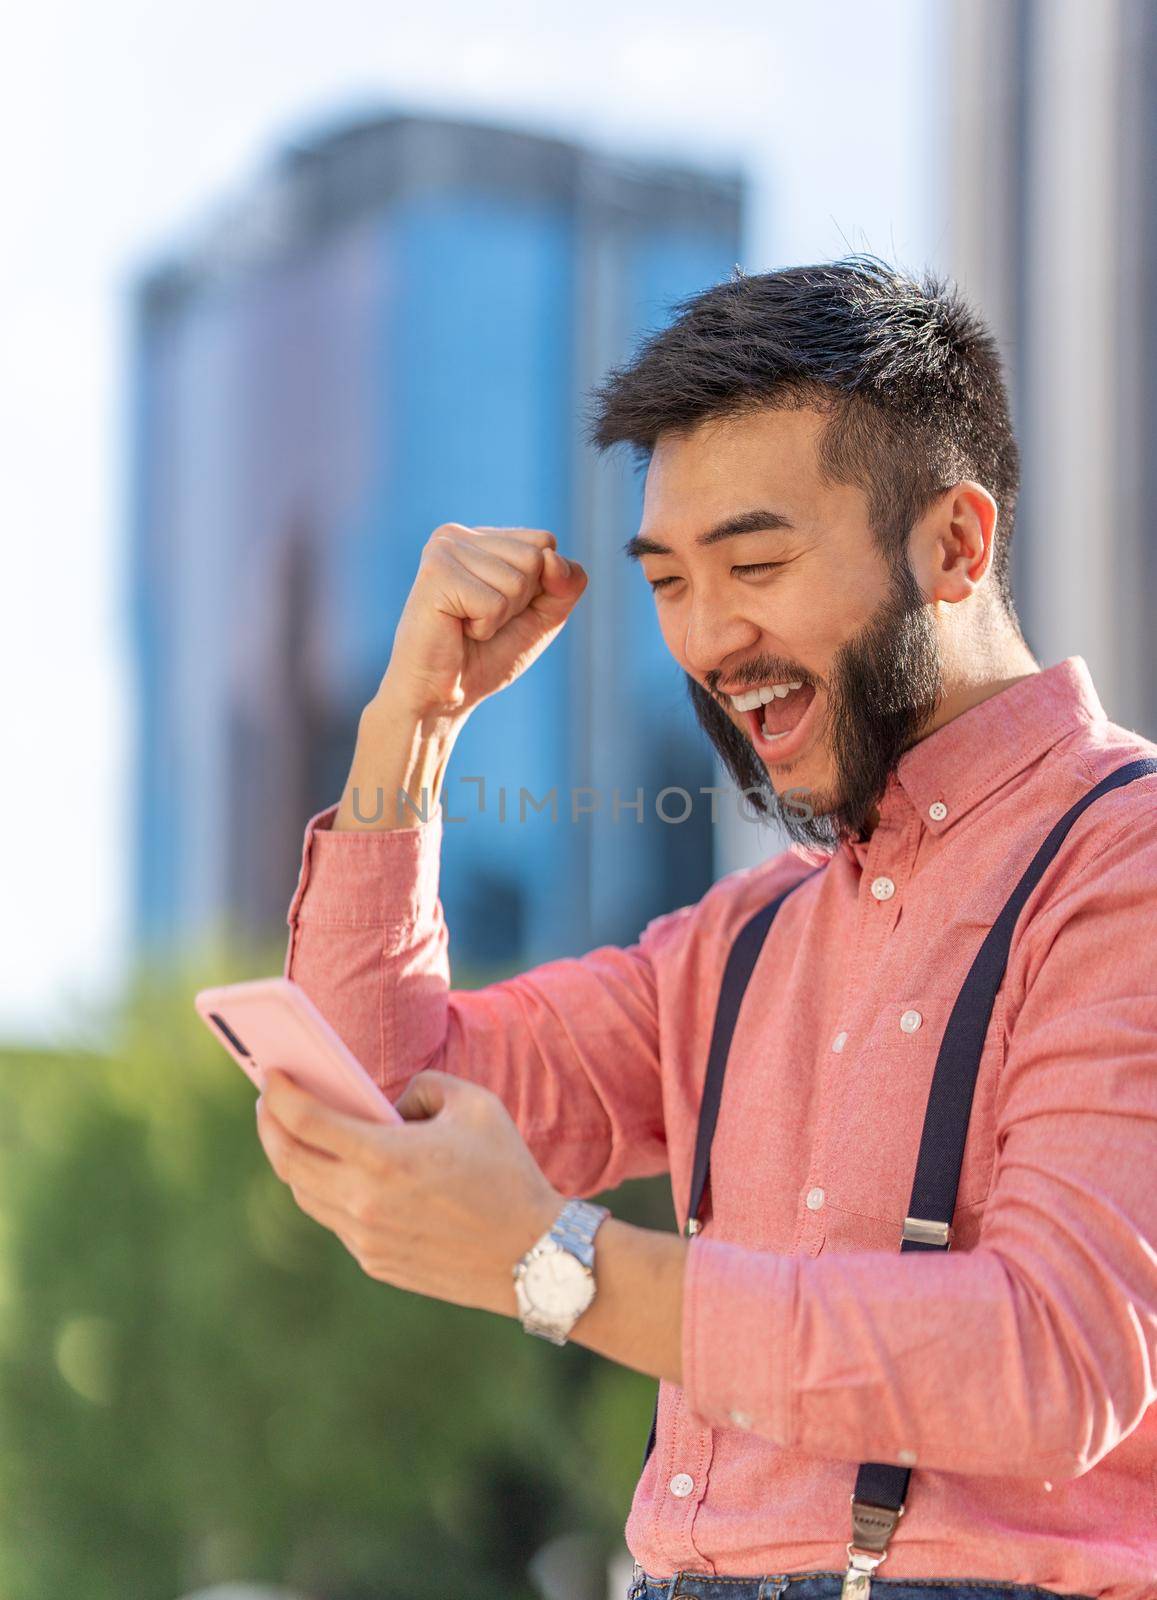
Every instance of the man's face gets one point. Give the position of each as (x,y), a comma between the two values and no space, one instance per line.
(827,614)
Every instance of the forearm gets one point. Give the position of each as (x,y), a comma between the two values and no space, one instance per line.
(370,945)
(961,1363)
(398,752)
(637,1315)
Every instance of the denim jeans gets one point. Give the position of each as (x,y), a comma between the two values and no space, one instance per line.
(826,1586)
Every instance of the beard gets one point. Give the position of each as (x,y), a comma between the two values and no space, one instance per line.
(884,688)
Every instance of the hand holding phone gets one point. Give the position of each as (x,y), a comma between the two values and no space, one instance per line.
(272,1022)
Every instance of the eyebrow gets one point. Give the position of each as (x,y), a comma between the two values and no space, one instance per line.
(758,521)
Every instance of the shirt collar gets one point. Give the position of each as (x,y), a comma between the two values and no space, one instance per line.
(960,764)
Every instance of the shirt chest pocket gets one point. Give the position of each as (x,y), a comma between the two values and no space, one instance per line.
(877,1097)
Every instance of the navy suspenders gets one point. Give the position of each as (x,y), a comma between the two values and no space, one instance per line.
(740,963)
(878,1498)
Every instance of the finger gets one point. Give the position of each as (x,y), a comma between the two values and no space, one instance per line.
(541,537)
(525,558)
(430,1091)
(479,606)
(364,1246)
(327,1215)
(563,582)
(361,1149)
(297,1165)
(555,582)
(314,1123)
(489,592)
(514,581)
(554,575)
(288,1157)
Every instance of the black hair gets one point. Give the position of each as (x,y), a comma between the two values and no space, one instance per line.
(909,376)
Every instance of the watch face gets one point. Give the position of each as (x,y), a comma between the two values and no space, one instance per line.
(557,1285)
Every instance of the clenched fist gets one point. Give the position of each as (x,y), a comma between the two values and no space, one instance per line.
(486,603)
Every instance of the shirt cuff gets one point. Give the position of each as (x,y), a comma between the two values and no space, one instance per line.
(738,1317)
(365,877)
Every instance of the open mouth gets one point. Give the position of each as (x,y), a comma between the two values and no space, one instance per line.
(779,728)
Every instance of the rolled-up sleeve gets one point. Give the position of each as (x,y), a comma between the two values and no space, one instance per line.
(1034,1353)
(570,1047)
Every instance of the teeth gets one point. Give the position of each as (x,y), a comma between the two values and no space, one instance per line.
(759,697)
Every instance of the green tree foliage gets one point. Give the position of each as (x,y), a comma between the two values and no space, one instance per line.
(198,1383)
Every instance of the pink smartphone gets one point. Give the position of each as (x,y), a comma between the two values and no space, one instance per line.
(272,1022)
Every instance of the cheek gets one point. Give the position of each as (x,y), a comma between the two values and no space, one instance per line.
(823,615)
(673,633)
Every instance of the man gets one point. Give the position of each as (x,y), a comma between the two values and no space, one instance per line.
(830,492)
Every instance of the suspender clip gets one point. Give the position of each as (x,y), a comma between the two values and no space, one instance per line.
(693,1226)
(872,1527)
(857,1583)
(921,1231)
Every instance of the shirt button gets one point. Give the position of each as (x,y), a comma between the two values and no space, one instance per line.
(883,888)
(815,1199)
(741,1419)
(682,1484)
(908,1457)
(938,811)
(910,1021)
(839,1042)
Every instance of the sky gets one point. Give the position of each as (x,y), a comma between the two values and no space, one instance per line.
(122,125)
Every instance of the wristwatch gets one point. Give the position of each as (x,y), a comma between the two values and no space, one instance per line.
(554,1282)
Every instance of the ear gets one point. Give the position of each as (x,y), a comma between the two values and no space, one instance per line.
(952,544)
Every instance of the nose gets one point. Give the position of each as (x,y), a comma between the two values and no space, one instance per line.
(715,633)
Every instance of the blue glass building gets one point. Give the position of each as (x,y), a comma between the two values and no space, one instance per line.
(396,327)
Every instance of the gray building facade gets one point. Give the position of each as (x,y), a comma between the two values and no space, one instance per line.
(1052,226)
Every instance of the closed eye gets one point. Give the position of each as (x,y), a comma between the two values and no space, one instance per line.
(757,568)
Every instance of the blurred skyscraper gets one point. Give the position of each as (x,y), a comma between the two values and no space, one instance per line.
(1053,229)
(397,327)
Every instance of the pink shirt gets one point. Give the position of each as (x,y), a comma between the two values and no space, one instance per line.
(1016,1372)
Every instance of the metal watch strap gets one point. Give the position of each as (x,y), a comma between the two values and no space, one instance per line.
(573,1230)
(576,1225)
